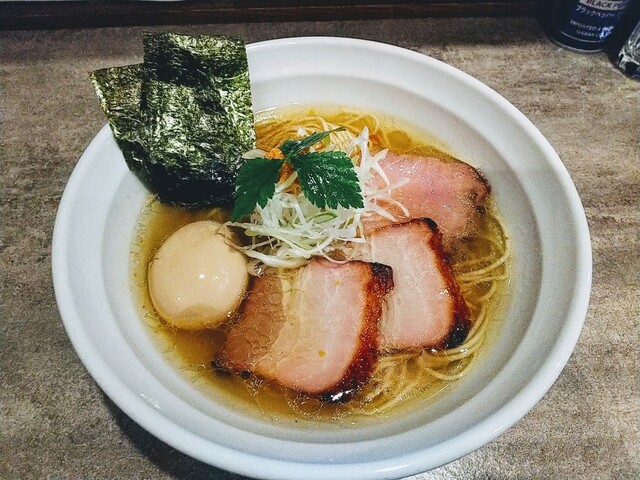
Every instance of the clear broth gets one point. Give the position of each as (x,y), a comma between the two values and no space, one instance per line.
(192,352)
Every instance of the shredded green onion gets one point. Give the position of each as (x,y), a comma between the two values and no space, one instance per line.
(290,230)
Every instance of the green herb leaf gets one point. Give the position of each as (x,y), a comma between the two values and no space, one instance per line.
(290,147)
(328,179)
(255,185)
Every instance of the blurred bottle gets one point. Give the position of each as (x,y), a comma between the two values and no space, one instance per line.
(584,25)
(629,55)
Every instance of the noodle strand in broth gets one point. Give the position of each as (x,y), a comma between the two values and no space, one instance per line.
(480,265)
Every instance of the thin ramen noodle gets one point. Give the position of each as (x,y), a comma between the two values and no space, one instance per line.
(481,267)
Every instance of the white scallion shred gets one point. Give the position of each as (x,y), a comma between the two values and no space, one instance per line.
(290,230)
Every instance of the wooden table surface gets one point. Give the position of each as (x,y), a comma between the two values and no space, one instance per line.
(56,423)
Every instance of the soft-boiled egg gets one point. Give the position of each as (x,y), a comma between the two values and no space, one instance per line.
(196,280)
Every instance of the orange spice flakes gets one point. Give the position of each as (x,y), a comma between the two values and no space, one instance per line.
(285,171)
(275,154)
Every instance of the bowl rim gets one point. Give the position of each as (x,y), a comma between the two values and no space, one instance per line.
(247,464)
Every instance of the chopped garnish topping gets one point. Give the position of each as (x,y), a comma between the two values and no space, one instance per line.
(327,178)
(286,229)
(275,153)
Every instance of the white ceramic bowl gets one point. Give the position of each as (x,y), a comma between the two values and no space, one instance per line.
(539,205)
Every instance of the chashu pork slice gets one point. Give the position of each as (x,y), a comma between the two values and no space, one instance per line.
(451,193)
(426,308)
(313,329)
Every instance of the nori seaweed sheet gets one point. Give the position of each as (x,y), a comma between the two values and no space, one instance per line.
(183,118)
(119,90)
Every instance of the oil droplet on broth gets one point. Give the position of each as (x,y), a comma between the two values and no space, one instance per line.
(193,352)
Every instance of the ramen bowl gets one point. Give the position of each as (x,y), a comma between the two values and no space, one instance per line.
(550,278)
